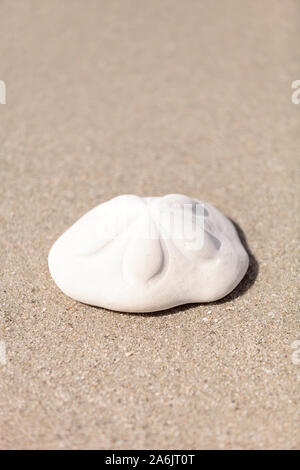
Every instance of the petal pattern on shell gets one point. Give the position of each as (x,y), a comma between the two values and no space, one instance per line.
(137,254)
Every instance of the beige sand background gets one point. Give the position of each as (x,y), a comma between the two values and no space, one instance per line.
(149,97)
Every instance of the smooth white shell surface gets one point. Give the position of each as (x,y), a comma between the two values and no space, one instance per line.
(129,255)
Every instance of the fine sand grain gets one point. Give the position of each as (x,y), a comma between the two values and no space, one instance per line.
(108,97)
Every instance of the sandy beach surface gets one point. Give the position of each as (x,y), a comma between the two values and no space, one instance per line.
(149,97)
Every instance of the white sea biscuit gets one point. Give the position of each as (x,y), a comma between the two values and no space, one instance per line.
(135,254)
